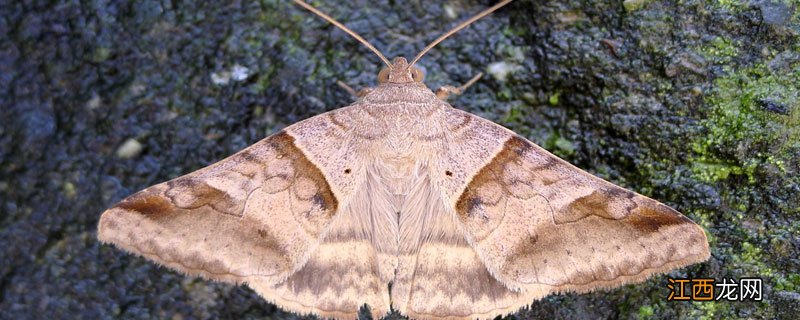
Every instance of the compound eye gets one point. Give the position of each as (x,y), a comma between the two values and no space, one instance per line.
(383,76)
(417,74)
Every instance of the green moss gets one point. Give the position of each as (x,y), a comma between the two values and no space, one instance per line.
(789,283)
(565,146)
(750,260)
(515,115)
(633,5)
(560,146)
(720,50)
(710,170)
(646,312)
(711,310)
(741,133)
(505,94)
(512,32)
(554,99)
(730,5)
(750,252)
(703,217)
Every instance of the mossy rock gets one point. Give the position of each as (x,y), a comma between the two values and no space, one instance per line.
(693,103)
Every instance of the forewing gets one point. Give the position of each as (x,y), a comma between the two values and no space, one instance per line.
(256,215)
(542,225)
(262,217)
(532,225)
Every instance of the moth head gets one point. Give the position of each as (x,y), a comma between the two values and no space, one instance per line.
(400,72)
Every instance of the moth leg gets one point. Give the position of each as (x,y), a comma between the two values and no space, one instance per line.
(353,92)
(444,92)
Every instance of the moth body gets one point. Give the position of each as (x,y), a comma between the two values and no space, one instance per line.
(460,217)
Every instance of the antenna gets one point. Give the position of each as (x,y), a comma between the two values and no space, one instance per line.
(457,29)
(345,29)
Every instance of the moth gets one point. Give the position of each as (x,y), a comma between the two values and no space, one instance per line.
(402,202)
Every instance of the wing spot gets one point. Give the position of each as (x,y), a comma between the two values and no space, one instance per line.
(512,150)
(146,203)
(191,193)
(448,173)
(652,218)
(347,171)
(285,145)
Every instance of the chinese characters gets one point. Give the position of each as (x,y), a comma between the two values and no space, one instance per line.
(707,289)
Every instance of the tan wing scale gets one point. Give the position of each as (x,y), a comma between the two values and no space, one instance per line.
(462,217)
(259,217)
(543,226)
(530,225)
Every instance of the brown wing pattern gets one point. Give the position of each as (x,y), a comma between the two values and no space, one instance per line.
(491,223)
(542,226)
(253,217)
(531,225)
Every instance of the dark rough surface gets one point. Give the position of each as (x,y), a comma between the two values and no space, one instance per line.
(693,103)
